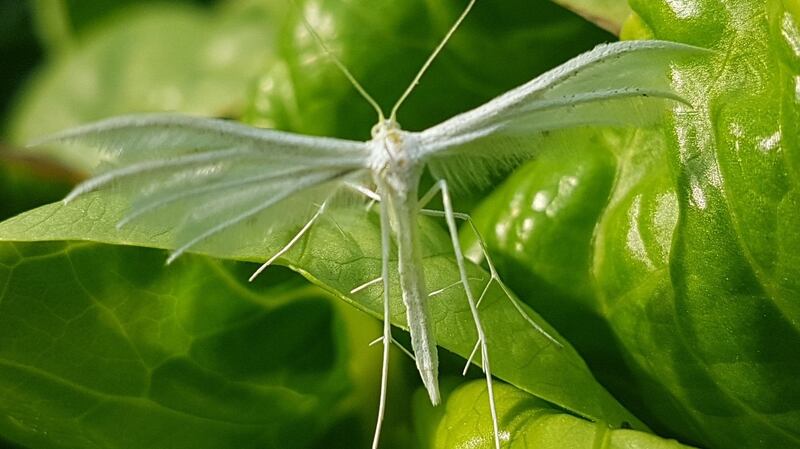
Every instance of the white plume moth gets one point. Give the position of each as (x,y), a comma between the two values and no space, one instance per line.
(205,176)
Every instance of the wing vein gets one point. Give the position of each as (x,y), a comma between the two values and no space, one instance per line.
(150,207)
(300,185)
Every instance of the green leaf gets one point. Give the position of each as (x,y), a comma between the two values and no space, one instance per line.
(102,347)
(542,221)
(530,423)
(684,239)
(343,252)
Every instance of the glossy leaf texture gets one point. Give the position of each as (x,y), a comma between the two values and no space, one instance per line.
(101,347)
(681,245)
(529,423)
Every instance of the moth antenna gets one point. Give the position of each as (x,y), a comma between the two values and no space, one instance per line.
(433,56)
(340,65)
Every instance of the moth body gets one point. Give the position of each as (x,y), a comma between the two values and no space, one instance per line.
(393,151)
(396,170)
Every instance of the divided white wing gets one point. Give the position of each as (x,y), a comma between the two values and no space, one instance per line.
(620,84)
(199,177)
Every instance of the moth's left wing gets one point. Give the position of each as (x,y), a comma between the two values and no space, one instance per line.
(196,178)
(620,84)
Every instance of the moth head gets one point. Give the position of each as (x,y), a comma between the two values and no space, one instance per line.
(386,128)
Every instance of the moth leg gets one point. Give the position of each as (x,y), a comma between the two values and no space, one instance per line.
(291,243)
(471,358)
(371,194)
(396,343)
(493,276)
(374,197)
(449,216)
(448,287)
(366,284)
(387,327)
(364,190)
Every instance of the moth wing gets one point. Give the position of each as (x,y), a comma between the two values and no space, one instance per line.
(198,178)
(619,84)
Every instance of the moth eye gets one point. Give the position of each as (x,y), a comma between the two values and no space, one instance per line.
(375,130)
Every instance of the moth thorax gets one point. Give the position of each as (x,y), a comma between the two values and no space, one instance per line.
(390,146)
(395,145)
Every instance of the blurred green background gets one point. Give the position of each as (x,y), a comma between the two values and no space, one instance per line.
(32,32)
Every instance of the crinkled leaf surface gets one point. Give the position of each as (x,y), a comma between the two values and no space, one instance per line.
(101,347)
(683,244)
(529,423)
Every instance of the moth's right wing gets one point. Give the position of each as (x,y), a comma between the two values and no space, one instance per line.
(199,177)
(619,84)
